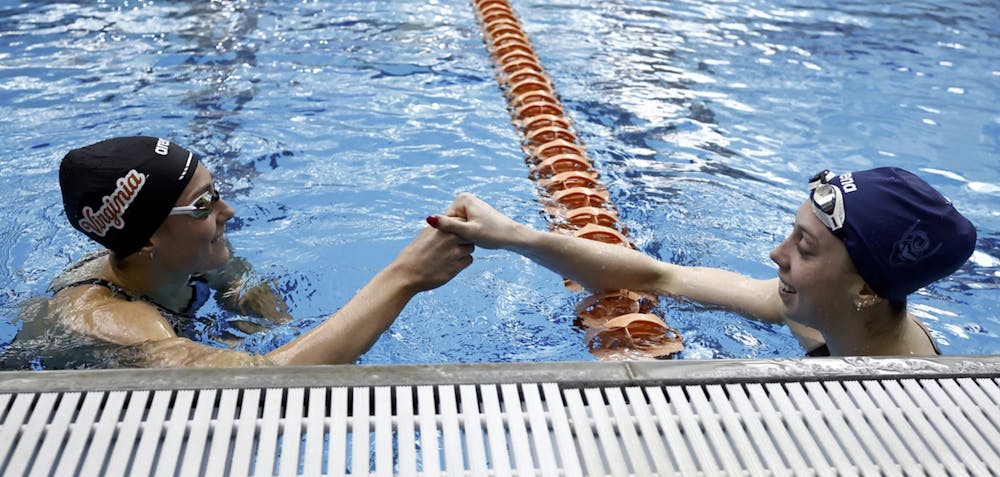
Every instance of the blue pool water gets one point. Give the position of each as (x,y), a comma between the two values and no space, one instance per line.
(335,127)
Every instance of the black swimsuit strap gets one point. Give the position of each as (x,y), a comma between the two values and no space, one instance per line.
(821,350)
(119,291)
(99,282)
(824,350)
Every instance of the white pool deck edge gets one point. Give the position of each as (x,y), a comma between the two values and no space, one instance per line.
(574,374)
(809,417)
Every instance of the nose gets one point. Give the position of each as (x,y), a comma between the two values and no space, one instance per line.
(225,211)
(779,255)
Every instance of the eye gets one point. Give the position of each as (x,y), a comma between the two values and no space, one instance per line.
(801,247)
(796,237)
(204,201)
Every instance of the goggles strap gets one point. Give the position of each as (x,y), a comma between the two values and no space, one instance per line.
(820,178)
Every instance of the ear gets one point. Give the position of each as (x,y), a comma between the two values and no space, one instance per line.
(866,298)
(868,292)
(148,251)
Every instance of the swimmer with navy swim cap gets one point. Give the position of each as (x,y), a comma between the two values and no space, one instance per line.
(861,243)
(155,208)
(901,234)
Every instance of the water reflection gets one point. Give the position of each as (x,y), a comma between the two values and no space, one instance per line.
(336,126)
(722,109)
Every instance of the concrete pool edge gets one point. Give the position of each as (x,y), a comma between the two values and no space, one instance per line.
(567,374)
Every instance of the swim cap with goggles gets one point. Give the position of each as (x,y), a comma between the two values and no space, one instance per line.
(119,191)
(900,232)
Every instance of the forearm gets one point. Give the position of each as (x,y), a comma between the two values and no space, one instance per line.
(178,352)
(595,265)
(599,266)
(353,329)
(340,339)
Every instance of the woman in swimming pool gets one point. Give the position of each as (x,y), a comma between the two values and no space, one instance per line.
(154,206)
(860,244)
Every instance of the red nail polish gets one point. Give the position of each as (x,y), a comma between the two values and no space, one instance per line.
(432,220)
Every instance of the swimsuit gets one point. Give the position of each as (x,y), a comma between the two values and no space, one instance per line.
(200,292)
(179,320)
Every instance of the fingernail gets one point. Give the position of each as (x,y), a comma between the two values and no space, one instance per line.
(432,220)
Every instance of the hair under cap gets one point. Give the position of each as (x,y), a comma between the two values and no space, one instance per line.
(119,191)
(900,232)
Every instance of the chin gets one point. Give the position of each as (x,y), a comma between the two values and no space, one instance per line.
(223,259)
(217,260)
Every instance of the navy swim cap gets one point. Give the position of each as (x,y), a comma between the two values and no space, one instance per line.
(900,232)
(119,191)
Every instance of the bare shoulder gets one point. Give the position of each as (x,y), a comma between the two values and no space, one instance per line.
(98,312)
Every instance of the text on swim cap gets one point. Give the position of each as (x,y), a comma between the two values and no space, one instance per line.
(162,146)
(847,183)
(113,206)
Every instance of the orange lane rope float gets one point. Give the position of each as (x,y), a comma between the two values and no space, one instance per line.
(619,324)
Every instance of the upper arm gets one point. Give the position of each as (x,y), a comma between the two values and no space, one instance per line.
(757,299)
(92,311)
(157,345)
(181,352)
(147,338)
(809,338)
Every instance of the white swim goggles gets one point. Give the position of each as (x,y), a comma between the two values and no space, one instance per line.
(827,200)
(202,206)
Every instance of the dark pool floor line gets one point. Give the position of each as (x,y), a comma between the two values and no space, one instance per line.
(828,416)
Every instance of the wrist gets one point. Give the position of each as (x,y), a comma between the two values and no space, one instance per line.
(399,278)
(522,239)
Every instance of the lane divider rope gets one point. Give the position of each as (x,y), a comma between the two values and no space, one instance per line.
(619,324)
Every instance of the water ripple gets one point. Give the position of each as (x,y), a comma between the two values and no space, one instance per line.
(334,127)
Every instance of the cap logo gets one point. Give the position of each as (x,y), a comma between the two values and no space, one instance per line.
(162,146)
(847,183)
(914,246)
(113,206)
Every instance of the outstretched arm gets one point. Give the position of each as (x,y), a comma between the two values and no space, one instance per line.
(432,259)
(429,261)
(600,266)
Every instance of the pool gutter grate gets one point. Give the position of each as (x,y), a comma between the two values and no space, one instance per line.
(858,426)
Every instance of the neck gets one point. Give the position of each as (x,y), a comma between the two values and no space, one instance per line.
(142,277)
(874,332)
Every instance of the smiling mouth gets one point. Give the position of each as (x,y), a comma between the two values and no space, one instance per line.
(785,288)
(218,237)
